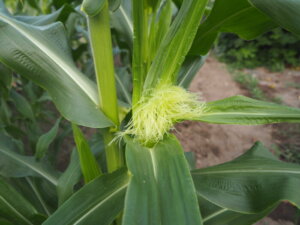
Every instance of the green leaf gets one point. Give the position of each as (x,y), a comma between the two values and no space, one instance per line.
(215,215)
(72,175)
(234,16)
(142,203)
(42,20)
(247,111)
(161,190)
(114,4)
(176,44)
(251,183)
(284,12)
(153,3)
(13,164)
(22,105)
(41,53)
(33,3)
(92,7)
(33,190)
(5,222)
(5,113)
(121,22)
(124,83)
(178,3)
(66,182)
(5,81)
(189,70)
(45,140)
(89,167)
(140,53)
(60,3)
(160,25)
(98,202)
(14,207)
(191,159)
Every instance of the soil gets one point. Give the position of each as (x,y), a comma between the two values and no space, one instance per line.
(280,85)
(214,144)
(269,221)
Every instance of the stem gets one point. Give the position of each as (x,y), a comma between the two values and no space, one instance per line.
(114,154)
(100,35)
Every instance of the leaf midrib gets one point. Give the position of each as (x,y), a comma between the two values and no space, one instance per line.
(38,196)
(187,74)
(126,94)
(60,63)
(17,158)
(86,214)
(252,114)
(15,210)
(215,214)
(248,171)
(126,19)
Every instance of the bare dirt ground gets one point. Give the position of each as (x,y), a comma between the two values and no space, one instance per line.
(214,144)
(281,85)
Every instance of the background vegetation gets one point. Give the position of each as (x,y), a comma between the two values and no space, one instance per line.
(276,50)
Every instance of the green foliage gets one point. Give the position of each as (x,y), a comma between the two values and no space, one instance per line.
(100,200)
(214,214)
(45,140)
(92,8)
(15,208)
(275,50)
(89,167)
(226,16)
(285,13)
(161,178)
(241,176)
(175,45)
(48,55)
(246,111)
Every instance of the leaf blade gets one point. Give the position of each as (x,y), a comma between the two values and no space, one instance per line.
(244,184)
(104,205)
(161,190)
(41,53)
(235,16)
(189,70)
(13,206)
(13,164)
(45,140)
(89,167)
(246,111)
(285,13)
(213,214)
(176,44)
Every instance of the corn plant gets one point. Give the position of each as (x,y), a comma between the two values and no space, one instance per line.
(137,173)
